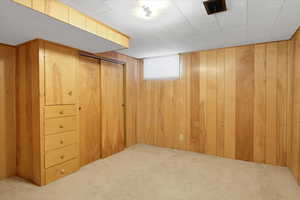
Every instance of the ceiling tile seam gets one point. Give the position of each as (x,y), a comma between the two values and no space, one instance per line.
(186,19)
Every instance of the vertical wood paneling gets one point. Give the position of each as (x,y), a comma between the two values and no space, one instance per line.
(259,104)
(295,165)
(244,102)
(290,100)
(203,101)
(230,87)
(195,103)
(211,105)
(282,92)
(234,104)
(220,101)
(7,112)
(271,112)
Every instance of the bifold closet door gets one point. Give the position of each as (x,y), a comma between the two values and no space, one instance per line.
(89,110)
(112,104)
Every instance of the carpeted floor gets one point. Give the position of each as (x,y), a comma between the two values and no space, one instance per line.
(145,172)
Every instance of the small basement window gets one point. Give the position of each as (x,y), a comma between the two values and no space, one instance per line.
(160,68)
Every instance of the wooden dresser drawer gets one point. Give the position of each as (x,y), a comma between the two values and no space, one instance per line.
(59,171)
(59,125)
(60,140)
(58,156)
(60,111)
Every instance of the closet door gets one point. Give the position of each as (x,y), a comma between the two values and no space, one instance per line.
(60,74)
(89,106)
(112,96)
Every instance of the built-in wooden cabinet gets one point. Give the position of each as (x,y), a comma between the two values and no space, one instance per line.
(70,110)
(47,114)
(60,74)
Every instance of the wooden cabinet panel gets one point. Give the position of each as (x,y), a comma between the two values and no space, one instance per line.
(89,114)
(56,172)
(60,140)
(60,111)
(59,125)
(7,111)
(112,97)
(60,155)
(60,74)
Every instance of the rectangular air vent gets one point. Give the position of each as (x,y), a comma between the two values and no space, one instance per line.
(215,6)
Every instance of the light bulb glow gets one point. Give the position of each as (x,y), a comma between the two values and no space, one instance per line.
(149,9)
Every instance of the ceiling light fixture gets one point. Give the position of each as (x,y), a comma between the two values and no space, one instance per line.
(149,9)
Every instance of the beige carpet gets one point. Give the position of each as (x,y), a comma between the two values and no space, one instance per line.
(150,173)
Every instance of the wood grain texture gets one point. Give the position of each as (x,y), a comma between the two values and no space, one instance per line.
(259,104)
(211,109)
(29,146)
(271,111)
(230,97)
(244,102)
(31,123)
(132,73)
(220,101)
(230,102)
(89,114)
(112,105)
(60,74)
(294,158)
(7,112)
(57,10)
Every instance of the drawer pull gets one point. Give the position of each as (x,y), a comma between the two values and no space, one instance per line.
(62,171)
(61,126)
(62,157)
(61,112)
(61,142)
(70,93)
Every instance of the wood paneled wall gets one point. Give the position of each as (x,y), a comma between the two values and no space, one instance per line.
(7,111)
(232,102)
(294,137)
(131,99)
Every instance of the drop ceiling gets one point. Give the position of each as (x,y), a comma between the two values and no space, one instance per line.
(184,26)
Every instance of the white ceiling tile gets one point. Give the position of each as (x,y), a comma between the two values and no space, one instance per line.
(184,25)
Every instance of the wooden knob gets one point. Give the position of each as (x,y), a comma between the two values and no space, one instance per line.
(61,126)
(62,171)
(62,157)
(70,93)
(61,112)
(61,142)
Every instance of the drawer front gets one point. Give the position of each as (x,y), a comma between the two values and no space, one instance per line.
(60,140)
(59,171)
(58,156)
(59,111)
(59,125)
